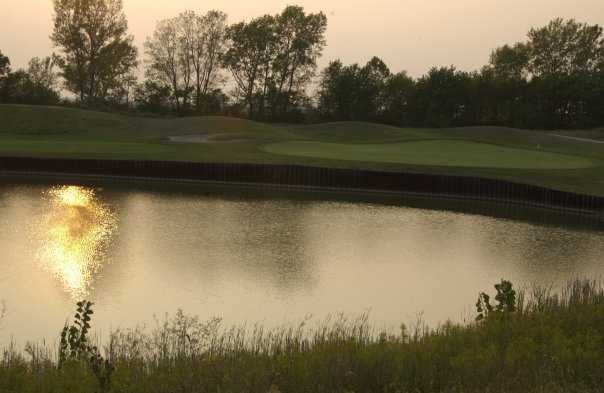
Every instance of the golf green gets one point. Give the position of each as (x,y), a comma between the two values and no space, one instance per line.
(435,153)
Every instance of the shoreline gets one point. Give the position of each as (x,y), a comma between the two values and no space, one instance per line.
(316,179)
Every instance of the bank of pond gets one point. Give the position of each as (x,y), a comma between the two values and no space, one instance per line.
(525,341)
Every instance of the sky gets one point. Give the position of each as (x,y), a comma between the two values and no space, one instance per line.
(411,35)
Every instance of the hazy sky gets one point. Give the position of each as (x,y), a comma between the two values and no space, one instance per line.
(410,35)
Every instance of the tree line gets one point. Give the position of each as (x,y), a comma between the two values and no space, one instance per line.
(553,80)
(266,69)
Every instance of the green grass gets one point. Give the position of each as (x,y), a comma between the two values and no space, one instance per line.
(532,157)
(551,343)
(434,152)
(595,134)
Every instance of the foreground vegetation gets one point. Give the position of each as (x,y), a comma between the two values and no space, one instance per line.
(539,342)
(533,157)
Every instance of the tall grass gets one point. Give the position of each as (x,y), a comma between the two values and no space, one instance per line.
(552,342)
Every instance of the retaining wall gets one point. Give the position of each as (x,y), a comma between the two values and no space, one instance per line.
(304,176)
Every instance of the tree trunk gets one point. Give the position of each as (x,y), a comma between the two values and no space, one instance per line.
(198,92)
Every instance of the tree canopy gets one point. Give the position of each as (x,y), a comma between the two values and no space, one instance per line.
(273,58)
(553,80)
(566,48)
(184,57)
(4,65)
(97,54)
(265,68)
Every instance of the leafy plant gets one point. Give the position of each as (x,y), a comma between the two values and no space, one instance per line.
(506,301)
(75,345)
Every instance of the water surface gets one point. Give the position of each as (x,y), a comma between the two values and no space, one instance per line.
(139,253)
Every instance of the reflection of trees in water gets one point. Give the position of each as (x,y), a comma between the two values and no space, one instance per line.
(271,240)
(278,241)
(543,253)
(199,240)
(565,250)
(74,234)
(517,213)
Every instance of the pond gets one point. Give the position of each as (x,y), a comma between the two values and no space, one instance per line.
(140,252)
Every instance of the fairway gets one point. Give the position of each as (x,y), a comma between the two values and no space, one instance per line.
(532,157)
(435,153)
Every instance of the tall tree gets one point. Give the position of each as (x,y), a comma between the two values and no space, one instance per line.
(184,54)
(339,92)
(373,78)
(353,92)
(4,65)
(397,99)
(249,52)
(567,59)
(168,62)
(327,95)
(273,59)
(204,41)
(442,97)
(511,62)
(300,39)
(96,49)
(566,47)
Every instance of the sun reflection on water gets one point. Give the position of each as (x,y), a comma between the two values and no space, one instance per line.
(75,234)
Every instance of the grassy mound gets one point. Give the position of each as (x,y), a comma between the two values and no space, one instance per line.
(358,132)
(434,152)
(43,122)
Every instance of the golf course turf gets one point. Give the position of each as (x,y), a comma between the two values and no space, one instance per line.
(526,156)
(434,152)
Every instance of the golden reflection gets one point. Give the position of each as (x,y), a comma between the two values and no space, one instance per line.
(75,233)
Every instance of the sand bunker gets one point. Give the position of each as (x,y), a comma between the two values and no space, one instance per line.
(205,138)
(195,138)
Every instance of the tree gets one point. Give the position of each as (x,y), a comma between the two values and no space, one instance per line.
(96,50)
(122,95)
(339,92)
(566,47)
(184,54)
(36,85)
(19,88)
(4,72)
(153,97)
(13,87)
(327,95)
(42,72)
(165,61)
(206,44)
(372,78)
(249,51)
(273,58)
(299,41)
(167,64)
(511,62)
(566,62)
(398,94)
(442,97)
(4,65)
(353,92)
